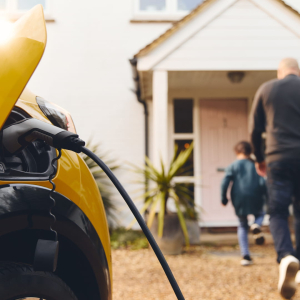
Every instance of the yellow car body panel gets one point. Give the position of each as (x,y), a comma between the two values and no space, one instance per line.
(19,58)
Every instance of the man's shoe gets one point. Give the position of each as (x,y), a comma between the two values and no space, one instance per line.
(246,261)
(288,269)
(257,234)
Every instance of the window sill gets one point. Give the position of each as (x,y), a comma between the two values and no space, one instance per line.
(157,18)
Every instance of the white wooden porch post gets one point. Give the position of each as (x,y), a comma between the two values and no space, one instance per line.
(160,117)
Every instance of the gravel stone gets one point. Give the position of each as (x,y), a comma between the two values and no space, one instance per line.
(202,273)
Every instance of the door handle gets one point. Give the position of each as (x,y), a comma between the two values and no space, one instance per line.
(221,169)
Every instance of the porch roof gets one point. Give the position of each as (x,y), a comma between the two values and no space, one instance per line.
(153,55)
(206,84)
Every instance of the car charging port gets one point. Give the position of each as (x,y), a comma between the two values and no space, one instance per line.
(32,163)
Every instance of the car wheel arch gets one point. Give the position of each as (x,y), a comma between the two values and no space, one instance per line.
(24,218)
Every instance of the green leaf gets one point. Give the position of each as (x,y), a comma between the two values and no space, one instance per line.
(181,159)
(161,215)
(162,167)
(175,154)
(152,212)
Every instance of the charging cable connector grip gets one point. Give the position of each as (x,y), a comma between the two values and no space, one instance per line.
(17,136)
(65,140)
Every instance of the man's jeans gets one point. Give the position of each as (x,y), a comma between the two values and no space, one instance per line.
(243,231)
(283,189)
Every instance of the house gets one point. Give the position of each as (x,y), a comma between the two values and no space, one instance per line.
(197,65)
(205,70)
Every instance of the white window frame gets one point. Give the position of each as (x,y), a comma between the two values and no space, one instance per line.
(195,136)
(171,13)
(12,12)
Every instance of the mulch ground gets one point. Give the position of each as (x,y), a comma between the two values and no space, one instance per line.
(204,272)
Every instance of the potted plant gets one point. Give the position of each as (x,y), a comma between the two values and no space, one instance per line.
(168,228)
(191,219)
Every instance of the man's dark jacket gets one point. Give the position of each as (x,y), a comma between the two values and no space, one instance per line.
(276,111)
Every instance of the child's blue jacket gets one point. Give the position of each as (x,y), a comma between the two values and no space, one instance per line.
(248,191)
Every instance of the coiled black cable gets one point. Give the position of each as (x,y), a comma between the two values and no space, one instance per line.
(139,219)
(52,175)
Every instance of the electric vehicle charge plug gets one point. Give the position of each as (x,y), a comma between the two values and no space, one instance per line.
(17,136)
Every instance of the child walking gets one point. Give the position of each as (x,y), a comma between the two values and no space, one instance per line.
(248,193)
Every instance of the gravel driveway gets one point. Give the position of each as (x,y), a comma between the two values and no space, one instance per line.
(202,273)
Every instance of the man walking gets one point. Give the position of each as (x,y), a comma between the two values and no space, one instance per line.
(276,111)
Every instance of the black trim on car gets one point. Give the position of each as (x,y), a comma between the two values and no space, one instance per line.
(25,207)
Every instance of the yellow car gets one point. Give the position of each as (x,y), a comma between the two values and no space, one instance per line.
(84,263)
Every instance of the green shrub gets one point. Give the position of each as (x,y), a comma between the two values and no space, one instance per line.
(132,239)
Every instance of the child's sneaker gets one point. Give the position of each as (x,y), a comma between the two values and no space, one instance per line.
(257,234)
(246,261)
(288,269)
(297,279)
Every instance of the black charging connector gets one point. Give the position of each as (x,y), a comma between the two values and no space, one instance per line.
(17,136)
(65,140)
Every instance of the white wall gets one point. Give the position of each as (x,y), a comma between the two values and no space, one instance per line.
(85,69)
(243,37)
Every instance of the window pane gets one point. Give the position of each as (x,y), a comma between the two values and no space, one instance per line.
(2,4)
(28,4)
(188,4)
(183,116)
(188,168)
(152,5)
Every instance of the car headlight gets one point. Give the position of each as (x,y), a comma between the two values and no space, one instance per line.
(56,114)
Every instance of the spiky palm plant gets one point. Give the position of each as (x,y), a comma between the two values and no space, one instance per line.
(104,185)
(163,188)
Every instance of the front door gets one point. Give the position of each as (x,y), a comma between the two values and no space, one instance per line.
(223,124)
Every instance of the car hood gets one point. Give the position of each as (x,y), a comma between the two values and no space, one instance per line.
(19,57)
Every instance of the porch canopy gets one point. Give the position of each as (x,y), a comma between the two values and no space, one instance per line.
(197,53)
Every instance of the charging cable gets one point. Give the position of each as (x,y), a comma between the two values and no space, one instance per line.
(17,136)
(139,219)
